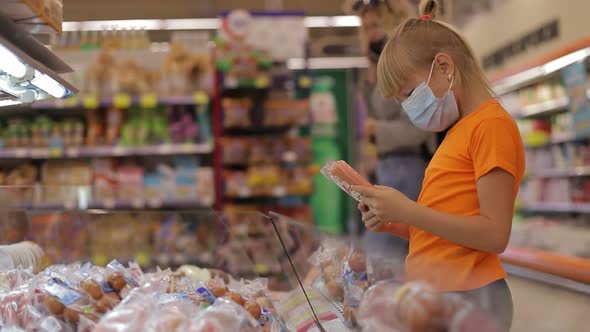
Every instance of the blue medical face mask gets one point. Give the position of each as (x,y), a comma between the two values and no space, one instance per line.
(428,112)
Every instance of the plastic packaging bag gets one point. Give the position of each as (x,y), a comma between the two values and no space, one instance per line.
(355,282)
(329,258)
(223,315)
(344,176)
(417,307)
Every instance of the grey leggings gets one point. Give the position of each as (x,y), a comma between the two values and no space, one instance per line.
(496,299)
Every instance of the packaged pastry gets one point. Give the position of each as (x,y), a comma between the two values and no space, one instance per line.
(344,176)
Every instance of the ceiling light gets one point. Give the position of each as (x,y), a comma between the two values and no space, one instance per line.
(10,64)
(9,102)
(327,63)
(199,23)
(49,85)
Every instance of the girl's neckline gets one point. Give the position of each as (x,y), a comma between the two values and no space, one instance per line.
(475,112)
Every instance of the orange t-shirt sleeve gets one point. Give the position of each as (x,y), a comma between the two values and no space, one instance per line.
(494,143)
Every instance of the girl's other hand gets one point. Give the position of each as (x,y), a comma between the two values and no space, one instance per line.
(383,203)
(369,219)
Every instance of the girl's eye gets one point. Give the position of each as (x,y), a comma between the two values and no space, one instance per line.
(409,93)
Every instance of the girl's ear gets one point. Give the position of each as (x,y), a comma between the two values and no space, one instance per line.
(445,63)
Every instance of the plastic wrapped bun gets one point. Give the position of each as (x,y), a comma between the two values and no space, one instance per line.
(223,315)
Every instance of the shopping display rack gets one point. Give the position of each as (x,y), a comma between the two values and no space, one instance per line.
(550,98)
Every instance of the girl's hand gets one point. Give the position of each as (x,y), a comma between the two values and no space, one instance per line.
(383,203)
(369,219)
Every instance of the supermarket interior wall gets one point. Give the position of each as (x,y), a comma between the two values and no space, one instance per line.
(513,19)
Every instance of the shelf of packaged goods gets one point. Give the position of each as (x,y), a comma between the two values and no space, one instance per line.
(105,151)
(548,207)
(570,267)
(545,108)
(122,101)
(561,172)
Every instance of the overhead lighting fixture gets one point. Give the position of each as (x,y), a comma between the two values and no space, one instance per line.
(199,23)
(327,63)
(10,64)
(9,102)
(33,70)
(49,85)
(531,75)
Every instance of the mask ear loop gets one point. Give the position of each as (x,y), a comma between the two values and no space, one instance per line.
(452,81)
(431,69)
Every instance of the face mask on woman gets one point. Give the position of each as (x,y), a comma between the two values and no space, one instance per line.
(428,112)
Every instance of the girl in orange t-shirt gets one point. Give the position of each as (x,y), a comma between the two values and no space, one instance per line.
(462,219)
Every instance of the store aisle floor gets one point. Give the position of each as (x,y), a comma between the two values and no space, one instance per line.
(542,308)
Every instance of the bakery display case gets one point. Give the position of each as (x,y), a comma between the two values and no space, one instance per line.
(74,268)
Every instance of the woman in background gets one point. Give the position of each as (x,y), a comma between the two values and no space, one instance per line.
(402,148)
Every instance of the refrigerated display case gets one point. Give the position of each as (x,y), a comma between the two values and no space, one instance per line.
(181,270)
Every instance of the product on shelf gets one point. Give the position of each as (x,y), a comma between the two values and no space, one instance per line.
(45,15)
(181,74)
(263,150)
(286,113)
(236,112)
(268,181)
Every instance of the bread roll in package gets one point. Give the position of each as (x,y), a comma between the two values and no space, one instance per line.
(344,176)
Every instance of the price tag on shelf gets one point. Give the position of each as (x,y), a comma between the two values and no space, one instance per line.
(262,82)
(165,149)
(245,192)
(187,147)
(142,258)
(122,100)
(304,81)
(137,203)
(279,191)
(200,98)
(73,152)
(90,102)
(261,269)
(100,260)
(71,102)
(119,151)
(149,100)
(109,203)
(55,152)
(20,153)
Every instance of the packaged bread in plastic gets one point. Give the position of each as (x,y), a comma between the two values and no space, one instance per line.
(344,176)
(417,307)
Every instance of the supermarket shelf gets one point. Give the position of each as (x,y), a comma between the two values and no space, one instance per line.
(106,151)
(561,172)
(549,279)
(556,207)
(139,205)
(104,102)
(569,267)
(549,107)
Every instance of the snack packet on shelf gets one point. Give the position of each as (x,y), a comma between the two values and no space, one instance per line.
(344,176)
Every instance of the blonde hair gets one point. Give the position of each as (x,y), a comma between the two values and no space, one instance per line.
(416,42)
